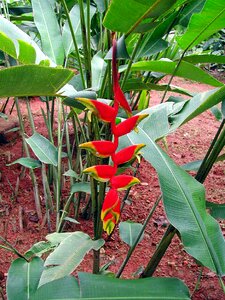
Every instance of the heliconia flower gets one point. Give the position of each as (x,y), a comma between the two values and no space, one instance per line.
(128,125)
(118,94)
(101,172)
(103,111)
(127,154)
(123,182)
(100,148)
(110,213)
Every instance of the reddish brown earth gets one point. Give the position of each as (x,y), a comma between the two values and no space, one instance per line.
(189,143)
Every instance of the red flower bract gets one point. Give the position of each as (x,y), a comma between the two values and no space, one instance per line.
(123,182)
(128,125)
(99,148)
(127,154)
(101,172)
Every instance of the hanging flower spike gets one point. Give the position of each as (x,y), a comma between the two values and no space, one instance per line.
(103,111)
(128,125)
(118,94)
(110,213)
(123,182)
(99,148)
(127,154)
(101,173)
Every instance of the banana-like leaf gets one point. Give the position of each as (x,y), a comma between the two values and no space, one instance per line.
(103,287)
(68,255)
(184,202)
(185,70)
(217,210)
(10,35)
(129,232)
(191,7)
(43,149)
(27,162)
(204,24)
(81,187)
(98,70)
(32,80)
(46,21)
(205,59)
(76,24)
(136,84)
(23,278)
(125,16)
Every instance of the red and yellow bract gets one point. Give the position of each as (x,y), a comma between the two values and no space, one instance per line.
(110,212)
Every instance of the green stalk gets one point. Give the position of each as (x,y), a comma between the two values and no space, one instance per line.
(65,212)
(12,248)
(74,42)
(218,144)
(59,166)
(126,74)
(87,55)
(131,250)
(32,174)
(31,119)
(47,196)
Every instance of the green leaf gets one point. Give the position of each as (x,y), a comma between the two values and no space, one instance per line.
(32,80)
(102,287)
(198,104)
(45,151)
(129,232)
(204,24)
(205,59)
(38,249)
(136,84)
(217,210)
(71,173)
(184,201)
(98,67)
(27,162)
(23,278)
(125,16)
(185,70)
(64,288)
(48,27)
(27,53)
(68,255)
(81,187)
(189,9)
(14,35)
(76,24)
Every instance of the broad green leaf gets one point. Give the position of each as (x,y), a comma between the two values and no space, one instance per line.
(76,24)
(32,80)
(136,84)
(48,27)
(15,34)
(23,278)
(204,24)
(71,173)
(57,237)
(195,165)
(98,68)
(68,255)
(38,249)
(101,5)
(64,288)
(205,59)
(27,162)
(198,104)
(125,16)
(185,70)
(81,187)
(143,102)
(129,232)
(217,210)
(45,151)
(191,7)
(102,287)
(184,201)
(27,54)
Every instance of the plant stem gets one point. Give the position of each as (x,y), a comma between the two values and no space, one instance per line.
(65,212)
(12,248)
(74,42)
(87,55)
(32,174)
(222,284)
(131,250)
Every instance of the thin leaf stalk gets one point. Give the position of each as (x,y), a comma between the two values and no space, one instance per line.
(87,55)
(131,249)
(32,174)
(74,42)
(65,212)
